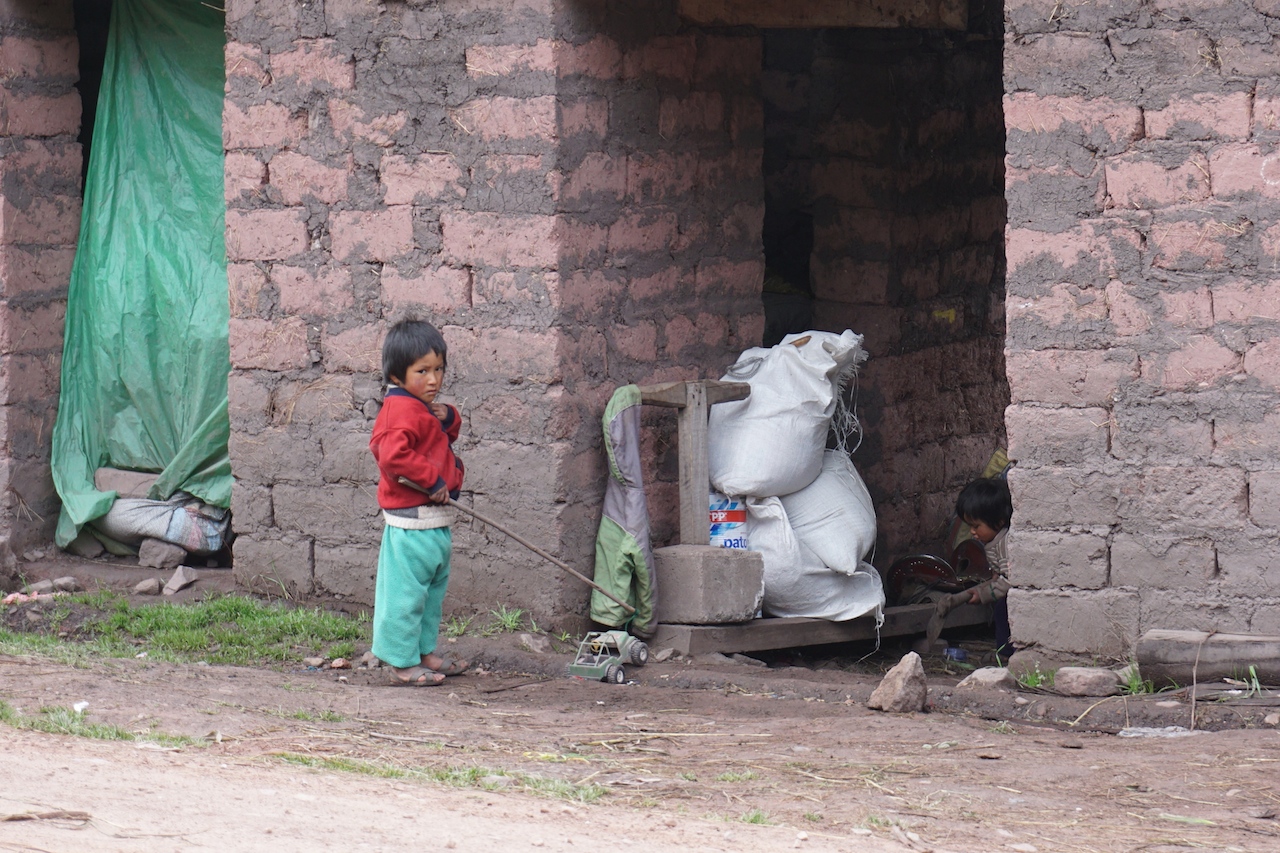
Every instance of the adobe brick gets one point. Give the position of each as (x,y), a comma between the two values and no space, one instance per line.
(1264,498)
(586,116)
(42,164)
(1247,57)
(440,289)
(1262,362)
(1162,428)
(25,270)
(271,456)
(251,508)
(351,120)
(600,58)
(1069,377)
(51,221)
(1050,559)
(1247,569)
(268,563)
(503,60)
(265,235)
(243,175)
(268,125)
(421,179)
(1094,622)
(660,176)
(297,177)
(733,59)
(336,514)
(1188,309)
(509,118)
(1202,116)
(27,378)
(1190,245)
(1186,498)
(698,112)
(346,456)
(245,285)
(1041,436)
(671,57)
(1080,61)
(581,244)
(313,292)
(1243,170)
(638,342)
(1161,562)
(1247,440)
(246,61)
(1193,610)
(347,571)
(746,120)
(340,15)
(382,235)
(1200,362)
(268,345)
(1243,302)
(1128,313)
(317,65)
(1138,182)
(39,115)
(1061,497)
(599,175)
(494,240)
(44,59)
(248,402)
(645,231)
(497,354)
(358,349)
(858,282)
(1091,251)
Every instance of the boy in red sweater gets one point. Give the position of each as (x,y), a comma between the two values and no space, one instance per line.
(413,438)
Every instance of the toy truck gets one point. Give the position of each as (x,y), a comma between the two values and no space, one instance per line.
(602,656)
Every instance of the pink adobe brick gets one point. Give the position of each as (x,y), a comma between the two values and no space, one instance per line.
(638,342)
(1241,302)
(509,118)
(350,120)
(261,126)
(50,221)
(268,345)
(1224,116)
(245,283)
(646,231)
(729,278)
(340,14)
(747,330)
(680,334)
(1137,182)
(247,61)
(580,243)
(243,175)
(322,292)
(1065,305)
(600,58)
(442,289)
(738,58)
(32,329)
(512,164)
(31,160)
(660,176)
(39,115)
(297,177)
(513,289)
(1262,362)
(1188,309)
(1068,377)
(1244,170)
(1129,314)
(598,174)
(495,240)
(699,112)
(372,235)
(1266,107)
(429,177)
(1269,241)
(588,116)
(315,65)
(662,285)
(37,269)
(1186,244)
(503,60)
(666,56)
(502,353)
(1033,113)
(358,350)
(265,235)
(1200,362)
(30,378)
(42,59)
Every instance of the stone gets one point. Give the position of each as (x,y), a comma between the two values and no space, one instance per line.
(903,689)
(1085,681)
(158,554)
(703,585)
(996,677)
(316,662)
(85,545)
(369,660)
(182,578)
(749,661)
(1272,719)
(923,647)
(150,586)
(662,655)
(340,663)
(67,584)
(537,643)
(40,588)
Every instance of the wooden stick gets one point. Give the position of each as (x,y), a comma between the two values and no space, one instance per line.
(534,548)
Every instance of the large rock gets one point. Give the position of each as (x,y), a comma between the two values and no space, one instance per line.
(997,677)
(158,554)
(705,585)
(903,689)
(1085,681)
(184,577)
(150,586)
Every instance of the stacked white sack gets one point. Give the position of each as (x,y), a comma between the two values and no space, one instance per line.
(771,443)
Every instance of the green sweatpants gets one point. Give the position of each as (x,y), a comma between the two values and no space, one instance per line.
(413,572)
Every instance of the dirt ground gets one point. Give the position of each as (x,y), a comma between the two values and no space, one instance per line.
(687,757)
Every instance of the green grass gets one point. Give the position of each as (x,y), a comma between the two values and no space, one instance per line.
(736,776)
(458,777)
(1036,678)
(58,720)
(757,816)
(223,629)
(505,621)
(813,817)
(458,625)
(1135,684)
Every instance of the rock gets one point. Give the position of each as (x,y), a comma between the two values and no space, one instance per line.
(1085,681)
(40,588)
(150,586)
(537,643)
(158,554)
(662,654)
(904,688)
(67,584)
(316,662)
(369,660)
(1272,719)
(86,545)
(182,578)
(1126,674)
(749,661)
(713,657)
(996,677)
(340,663)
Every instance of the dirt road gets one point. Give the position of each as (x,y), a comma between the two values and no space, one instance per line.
(731,759)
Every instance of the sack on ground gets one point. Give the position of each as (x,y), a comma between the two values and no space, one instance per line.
(183,520)
(833,516)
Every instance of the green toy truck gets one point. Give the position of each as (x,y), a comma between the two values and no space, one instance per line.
(602,655)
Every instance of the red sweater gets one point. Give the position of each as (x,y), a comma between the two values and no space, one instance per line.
(408,441)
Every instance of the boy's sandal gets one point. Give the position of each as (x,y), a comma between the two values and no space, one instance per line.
(416,676)
(453,666)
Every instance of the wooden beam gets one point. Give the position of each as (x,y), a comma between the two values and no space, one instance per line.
(1182,657)
(695,467)
(672,395)
(813,14)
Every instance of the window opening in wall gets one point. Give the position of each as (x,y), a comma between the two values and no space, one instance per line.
(93,18)
(140,444)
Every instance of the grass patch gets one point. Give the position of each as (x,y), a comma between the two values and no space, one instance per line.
(1036,678)
(57,720)
(736,776)
(757,816)
(505,621)
(457,777)
(458,625)
(1134,684)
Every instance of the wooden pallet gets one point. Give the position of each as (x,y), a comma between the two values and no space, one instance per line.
(795,631)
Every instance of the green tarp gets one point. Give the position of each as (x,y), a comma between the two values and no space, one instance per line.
(144,368)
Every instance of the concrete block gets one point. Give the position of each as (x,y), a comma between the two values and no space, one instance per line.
(702,585)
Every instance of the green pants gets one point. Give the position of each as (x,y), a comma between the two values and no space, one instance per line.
(413,572)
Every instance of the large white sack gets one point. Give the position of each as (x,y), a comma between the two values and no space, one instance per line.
(796,583)
(833,516)
(771,443)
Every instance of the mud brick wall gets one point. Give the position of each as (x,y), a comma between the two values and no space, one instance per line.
(1143,252)
(894,140)
(39,222)
(503,170)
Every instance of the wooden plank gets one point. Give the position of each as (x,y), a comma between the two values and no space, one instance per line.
(724,392)
(812,14)
(695,469)
(794,632)
(670,395)
(1183,656)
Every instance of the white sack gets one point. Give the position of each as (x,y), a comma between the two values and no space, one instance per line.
(183,520)
(833,516)
(796,583)
(771,443)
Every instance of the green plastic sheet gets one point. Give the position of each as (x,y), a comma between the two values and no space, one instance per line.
(144,369)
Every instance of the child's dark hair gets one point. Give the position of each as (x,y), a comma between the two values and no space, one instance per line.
(408,341)
(987,501)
